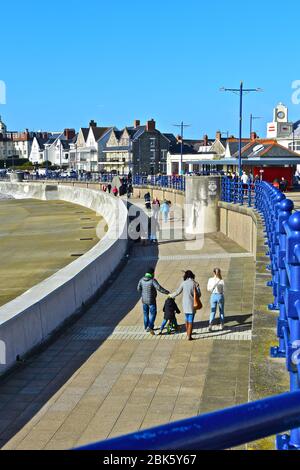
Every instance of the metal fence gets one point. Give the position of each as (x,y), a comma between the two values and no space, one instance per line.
(167,182)
(282,232)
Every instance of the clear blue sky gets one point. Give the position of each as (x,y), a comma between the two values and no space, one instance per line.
(66,62)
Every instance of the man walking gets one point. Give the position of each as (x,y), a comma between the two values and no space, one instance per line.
(148,287)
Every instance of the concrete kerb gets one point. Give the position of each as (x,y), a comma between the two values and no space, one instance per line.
(29,320)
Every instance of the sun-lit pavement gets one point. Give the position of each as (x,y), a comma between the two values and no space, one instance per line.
(105,377)
(37,238)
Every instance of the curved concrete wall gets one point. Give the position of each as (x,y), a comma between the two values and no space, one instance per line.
(239,223)
(28,320)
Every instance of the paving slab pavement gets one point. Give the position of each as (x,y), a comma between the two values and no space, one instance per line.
(104,377)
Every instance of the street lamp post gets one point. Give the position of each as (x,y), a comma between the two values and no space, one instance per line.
(252,118)
(241,91)
(182,126)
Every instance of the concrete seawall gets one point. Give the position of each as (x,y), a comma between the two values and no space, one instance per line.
(30,319)
(239,223)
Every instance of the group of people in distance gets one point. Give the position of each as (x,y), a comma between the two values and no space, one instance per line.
(125,187)
(247,179)
(157,207)
(190,290)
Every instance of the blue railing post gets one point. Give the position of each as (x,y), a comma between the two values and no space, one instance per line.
(285,210)
(292,329)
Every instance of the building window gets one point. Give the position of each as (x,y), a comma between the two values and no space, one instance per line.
(295,146)
(152,142)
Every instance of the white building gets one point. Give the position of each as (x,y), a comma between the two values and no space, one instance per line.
(197,156)
(14,144)
(87,151)
(285,132)
(57,148)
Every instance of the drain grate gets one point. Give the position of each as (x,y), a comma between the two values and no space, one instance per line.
(87,228)
(86,239)
(76,255)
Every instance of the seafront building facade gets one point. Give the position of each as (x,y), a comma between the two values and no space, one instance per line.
(14,144)
(142,148)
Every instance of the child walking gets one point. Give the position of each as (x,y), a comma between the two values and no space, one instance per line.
(216,286)
(170,309)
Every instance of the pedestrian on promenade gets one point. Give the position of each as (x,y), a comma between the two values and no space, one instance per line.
(144,228)
(155,208)
(283,185)
(165,210)
(109,188)
(190,301)
(216,287)
(153,229)
(115,191)
(148,287)
(170,309)
(129,190)
(245,181)
(147,199)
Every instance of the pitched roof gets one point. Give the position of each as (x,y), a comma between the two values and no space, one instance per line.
(99,132)
(175,149)
(266,148)
(171,138)
(85,132)
(41,141)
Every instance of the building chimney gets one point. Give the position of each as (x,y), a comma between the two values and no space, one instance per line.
(253,136)
(150,126)
(205,140)
(218,135)
(137,123)
(93,123)
(69,134)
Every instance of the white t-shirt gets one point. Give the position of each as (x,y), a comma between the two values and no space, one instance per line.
(245,179)
(215,285)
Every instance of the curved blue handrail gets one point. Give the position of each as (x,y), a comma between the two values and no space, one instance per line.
(215,431)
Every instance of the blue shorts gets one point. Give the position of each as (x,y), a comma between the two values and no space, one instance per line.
(189,317)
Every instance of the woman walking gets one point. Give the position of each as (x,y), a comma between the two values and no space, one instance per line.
(190,290)
(165,210)
(216,287)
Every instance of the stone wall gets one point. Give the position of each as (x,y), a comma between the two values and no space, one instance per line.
(31,318)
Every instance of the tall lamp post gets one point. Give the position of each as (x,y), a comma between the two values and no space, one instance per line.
(241,91)
(182,127)
(253,118)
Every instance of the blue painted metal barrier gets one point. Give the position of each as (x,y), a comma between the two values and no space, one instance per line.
(216,431)
(282,232)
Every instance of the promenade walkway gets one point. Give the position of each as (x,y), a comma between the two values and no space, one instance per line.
(104,376)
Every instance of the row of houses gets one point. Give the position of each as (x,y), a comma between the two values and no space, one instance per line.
(142,148)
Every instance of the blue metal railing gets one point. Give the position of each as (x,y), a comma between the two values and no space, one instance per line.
(282,232)
(216,431)
(168,182)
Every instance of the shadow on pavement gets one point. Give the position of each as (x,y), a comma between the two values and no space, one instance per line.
(28,388)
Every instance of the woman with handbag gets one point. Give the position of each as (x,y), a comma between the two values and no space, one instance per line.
(216,287)
(190,301)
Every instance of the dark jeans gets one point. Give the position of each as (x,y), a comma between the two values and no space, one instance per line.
(150,312)
(173,322)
